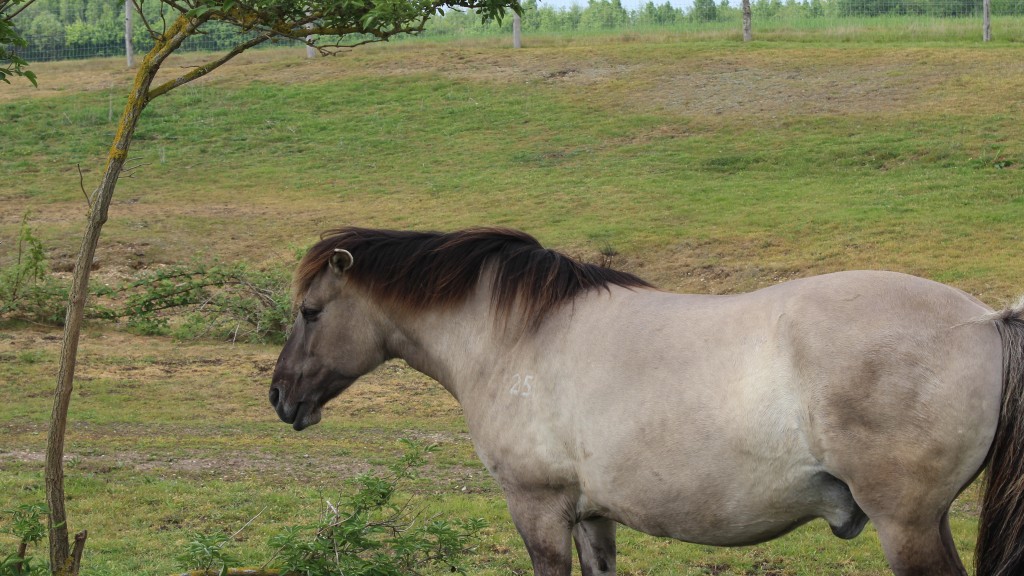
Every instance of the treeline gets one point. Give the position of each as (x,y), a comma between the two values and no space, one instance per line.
(57,29)
(610,14)
(595,15)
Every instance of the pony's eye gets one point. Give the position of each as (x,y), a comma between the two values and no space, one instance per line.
(309,314)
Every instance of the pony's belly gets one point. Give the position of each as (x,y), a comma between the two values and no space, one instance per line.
(707,526)
(723,515)
(738,535)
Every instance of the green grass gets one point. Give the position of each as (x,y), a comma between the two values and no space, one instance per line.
(704,166)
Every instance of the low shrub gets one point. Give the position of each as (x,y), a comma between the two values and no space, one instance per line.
(198,300)
(27,289)
(370,531)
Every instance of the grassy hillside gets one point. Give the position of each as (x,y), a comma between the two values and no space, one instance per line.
(702,166)
(756,162)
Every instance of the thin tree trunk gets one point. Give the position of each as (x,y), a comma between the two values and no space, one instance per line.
(747,33)
(20,562)
(62,562)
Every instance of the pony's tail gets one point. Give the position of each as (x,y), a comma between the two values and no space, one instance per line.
(1000,547)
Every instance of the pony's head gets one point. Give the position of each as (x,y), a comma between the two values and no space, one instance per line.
(334,341)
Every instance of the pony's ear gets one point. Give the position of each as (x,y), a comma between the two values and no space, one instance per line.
(341,260)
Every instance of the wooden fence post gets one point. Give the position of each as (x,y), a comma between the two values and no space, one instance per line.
(128,33)
(987,20)
(747,34)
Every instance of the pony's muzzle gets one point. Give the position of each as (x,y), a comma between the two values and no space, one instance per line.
(299,414)
(284,412)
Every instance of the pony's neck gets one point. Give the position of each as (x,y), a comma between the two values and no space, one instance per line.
(451,345)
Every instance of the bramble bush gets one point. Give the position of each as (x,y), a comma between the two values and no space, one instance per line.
(222,301)
(198,300)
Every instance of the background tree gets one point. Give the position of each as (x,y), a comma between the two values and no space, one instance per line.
(604,14)
(334,26)
(704,11)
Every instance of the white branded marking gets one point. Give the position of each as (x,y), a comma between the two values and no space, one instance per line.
(522,385)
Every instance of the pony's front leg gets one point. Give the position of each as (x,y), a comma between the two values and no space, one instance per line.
(595,545)
(543,523)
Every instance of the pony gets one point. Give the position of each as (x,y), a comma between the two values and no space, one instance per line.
(595,399)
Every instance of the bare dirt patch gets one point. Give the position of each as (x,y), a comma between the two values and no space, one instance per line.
(737,88)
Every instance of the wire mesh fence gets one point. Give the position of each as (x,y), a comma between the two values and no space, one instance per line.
(52,48)
(846,20)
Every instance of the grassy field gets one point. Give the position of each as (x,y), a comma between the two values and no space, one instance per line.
(702,166)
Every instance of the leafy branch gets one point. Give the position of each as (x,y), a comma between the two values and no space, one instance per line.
(10,63)
(372,533)
(27,527)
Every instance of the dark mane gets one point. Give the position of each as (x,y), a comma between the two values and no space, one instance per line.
(422,270)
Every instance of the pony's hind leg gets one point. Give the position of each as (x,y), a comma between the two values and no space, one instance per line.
(595,545)
(920,548)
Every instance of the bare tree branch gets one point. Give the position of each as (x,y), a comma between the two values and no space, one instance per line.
(209,67)
(163,14)
(81,184)
(18,11)
(176,6)
(76,552)
(145,21)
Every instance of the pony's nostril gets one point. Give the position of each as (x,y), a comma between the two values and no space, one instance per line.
(275,395)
